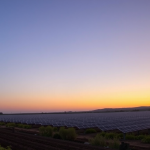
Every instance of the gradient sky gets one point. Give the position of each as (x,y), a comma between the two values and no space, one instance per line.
(61,55)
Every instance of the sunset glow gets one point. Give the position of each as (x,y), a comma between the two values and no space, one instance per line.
(74,55)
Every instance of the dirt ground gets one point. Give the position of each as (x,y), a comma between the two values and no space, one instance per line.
(138,145)
(134,144)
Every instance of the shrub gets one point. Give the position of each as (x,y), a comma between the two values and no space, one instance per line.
(46,131)
(67,134)
(71,134)
(102,133)
(2,123)
(42,130)
(146,139)
(49,131)
(98,141)
(88,131)
(55,129)
(119,136)
(27,126)
(130,137)
(19,125)
(10,125)
(7,148)
(56,136)
(63,133)
(110,135)
(140,137)
(24,126)
(115,143)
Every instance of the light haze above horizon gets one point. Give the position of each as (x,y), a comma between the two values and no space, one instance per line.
(78,55)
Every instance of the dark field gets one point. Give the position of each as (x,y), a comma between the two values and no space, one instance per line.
(24,131)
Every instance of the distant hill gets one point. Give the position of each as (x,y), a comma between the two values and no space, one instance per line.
(133,109)
(142,108)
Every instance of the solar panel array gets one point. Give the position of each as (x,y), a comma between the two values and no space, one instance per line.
(123,121)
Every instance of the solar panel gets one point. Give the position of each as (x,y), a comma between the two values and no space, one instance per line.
(123,121)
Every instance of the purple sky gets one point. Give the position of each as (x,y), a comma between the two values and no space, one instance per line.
(66,47)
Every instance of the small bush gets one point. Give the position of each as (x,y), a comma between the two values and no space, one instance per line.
(42,130)
(2,123)
(46,131)
(55,129)
(7,148)
(119,136)
(25,126)
(88,131)
(99,141)
(49,131)
(10,125)
(102,133)
(130,137)
(140,137)
(115,143)
(63,133)
(56,136)
(71,134)
(146,139)
(19,125)
(67,134)
(110,135)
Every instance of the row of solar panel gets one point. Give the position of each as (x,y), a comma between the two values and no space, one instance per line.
(125,122)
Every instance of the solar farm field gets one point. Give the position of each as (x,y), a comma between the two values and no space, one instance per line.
(125,122)
(108,127)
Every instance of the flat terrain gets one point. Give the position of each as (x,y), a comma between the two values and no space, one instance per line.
(23,141)
(28,139)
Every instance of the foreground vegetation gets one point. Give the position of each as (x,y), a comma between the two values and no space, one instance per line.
(25,126)
(62,133)
(112,140)
(88,131)
(142,138)
(105,141)
(2,123)
(7,148)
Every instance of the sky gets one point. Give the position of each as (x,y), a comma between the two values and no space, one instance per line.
(74,55)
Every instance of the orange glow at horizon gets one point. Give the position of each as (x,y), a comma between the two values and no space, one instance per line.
(86,101)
